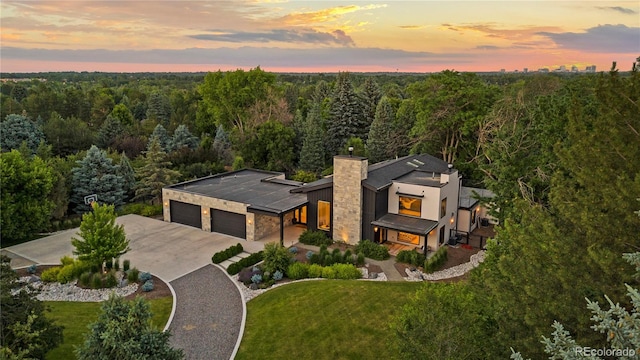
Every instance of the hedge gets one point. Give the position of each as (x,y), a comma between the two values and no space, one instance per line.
(436,261)
(372,250)
(246,262)
(317,238)
(411,257)
(226,254)
(298,271)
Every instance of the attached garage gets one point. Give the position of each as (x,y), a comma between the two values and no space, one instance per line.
(187,214)
(229,223)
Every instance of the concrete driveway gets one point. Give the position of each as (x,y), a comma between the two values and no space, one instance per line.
(167,250)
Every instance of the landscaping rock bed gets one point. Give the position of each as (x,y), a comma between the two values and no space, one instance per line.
(474,261)
(71,292)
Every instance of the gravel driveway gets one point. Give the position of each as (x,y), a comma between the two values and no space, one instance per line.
(208,315)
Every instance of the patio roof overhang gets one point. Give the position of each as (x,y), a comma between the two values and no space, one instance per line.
(406,224)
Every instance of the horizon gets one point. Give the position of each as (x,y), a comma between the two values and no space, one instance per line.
(316,36)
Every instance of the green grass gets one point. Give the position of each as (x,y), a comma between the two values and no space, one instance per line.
(76,317)
(334,319)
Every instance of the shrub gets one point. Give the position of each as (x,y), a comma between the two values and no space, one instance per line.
(315,271)
(309,254)
(55,226)
(336,254)
(293,250)
(360,259)
(147,286)
(276,257)
(436,261)
(246,274)
(32,269)
(132,275)
(126,265)
(66,274)
(85,279)
(256,279)
(141,209)
(246,262)
(116,264)
(314,258)
(411,257)
(144,276)
(66,260)
(226,254)
(96,281)
(316,238)
(347,257)
(277,276)
(372,250)
(51,274)
(108,264)
(110,280)
(346,271)
(298,271)
(328,272)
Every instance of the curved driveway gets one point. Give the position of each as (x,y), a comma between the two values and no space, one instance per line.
(208,316)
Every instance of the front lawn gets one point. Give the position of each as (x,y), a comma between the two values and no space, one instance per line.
(76,317)
(329,319)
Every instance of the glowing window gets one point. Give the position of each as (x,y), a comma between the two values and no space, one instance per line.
(443,207)
(324,215)
(410,206)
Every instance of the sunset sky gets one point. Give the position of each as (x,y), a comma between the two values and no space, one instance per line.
(316,36)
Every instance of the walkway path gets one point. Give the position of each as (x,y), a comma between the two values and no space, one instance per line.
(208,315)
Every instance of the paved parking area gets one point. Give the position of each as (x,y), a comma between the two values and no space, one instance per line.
(167,250)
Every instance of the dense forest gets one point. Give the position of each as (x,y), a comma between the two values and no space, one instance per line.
(560,151)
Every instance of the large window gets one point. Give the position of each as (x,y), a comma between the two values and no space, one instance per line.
(324,215)
(443,207)
(408,238)
(410,206)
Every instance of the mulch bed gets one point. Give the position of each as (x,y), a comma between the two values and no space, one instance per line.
(455,256)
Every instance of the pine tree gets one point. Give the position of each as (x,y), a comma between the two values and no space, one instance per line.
(222,145)
(95,174)
(159,108)
(154,174)
(123,331)
(380,134)
(182,137)
(125,170)
(345,120)
(100,238)
(312,153)
(371,96)
(160,133)
(110,130)
(18,128)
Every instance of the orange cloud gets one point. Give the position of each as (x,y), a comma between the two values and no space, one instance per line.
(324,15)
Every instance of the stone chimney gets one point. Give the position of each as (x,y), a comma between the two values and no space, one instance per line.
(348,173)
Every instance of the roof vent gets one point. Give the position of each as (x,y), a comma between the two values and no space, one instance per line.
(418,161)
(412,164)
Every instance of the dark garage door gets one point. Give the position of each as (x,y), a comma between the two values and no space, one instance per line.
(187,214)
(228,223)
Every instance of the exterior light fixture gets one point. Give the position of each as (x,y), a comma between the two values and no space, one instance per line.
(375,228)
(166,203)
(249,221)
(205,212)
(350,151)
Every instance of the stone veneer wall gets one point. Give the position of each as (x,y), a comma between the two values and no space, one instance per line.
(206,204)
(267,225)
(348,173)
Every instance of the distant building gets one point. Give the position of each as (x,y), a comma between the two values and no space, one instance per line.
(574,68)
(525,70)
(590,69)
(543,70)
(503,70)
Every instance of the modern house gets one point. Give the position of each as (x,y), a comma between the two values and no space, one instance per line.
(413,201)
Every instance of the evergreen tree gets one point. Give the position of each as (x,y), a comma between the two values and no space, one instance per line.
(26,185)
(125,170)
(312,153)
(160,133)
(101,239)
(109,132)
(378,146)
(16,129)
(124,331)
(154,174)
(25,331)
(182,137)
(159,108)
(95,174)
(371,96)
(67,136)
(322,92)
(346,119)
(222,145)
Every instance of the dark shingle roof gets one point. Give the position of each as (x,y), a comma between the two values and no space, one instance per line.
(256,188)
(381,174)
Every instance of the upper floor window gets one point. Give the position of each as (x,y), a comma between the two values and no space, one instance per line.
(410,206)
(324,215)
(443,207)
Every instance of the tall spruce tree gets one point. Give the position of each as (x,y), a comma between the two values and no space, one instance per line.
(345,119)
(159,108)
(371,95)
(312,153)
(154,174)
(16,129)
(109,132)
(95,174)
(381,132)
(160,133)
(182,138)
(125,170)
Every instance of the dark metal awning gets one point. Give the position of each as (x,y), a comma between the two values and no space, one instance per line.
(407,224)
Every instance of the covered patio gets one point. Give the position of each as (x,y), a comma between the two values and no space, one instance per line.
(399,232)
